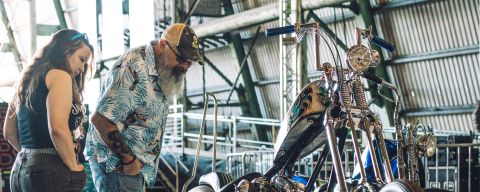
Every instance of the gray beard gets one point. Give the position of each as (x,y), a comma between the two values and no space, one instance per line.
(171,84)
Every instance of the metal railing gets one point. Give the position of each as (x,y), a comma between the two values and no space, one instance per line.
(452,167)
(231,141)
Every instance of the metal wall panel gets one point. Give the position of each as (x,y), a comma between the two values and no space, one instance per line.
(430,26)
(430,29)
(271,100)
(456,122)
(265,58)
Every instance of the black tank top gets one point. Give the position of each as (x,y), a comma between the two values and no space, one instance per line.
(33,125)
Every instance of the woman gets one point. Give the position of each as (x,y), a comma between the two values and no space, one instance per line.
(45,110)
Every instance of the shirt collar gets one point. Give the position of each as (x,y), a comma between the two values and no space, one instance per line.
(150,58)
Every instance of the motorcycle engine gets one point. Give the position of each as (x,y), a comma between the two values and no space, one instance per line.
(276,184)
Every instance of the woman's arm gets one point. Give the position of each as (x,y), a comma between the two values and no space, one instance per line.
(59,104)
(10,130)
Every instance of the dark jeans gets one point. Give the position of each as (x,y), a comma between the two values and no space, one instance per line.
(43,172)
(114,181)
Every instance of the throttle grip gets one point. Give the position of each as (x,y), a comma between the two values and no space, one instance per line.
(382,43)
(280,30)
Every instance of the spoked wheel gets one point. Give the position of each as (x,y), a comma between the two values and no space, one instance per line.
(402,185)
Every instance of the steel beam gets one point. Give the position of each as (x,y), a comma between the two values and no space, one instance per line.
(33,26)
(398,4)
(6,47)
(468,50)
(252,107)
(214,68)
(47,30)
(253,17)
(434,111)
(11,38)
(60,14)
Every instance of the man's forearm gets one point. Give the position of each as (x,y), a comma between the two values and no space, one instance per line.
(112,136)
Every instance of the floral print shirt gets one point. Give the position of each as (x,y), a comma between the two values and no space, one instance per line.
(131,98)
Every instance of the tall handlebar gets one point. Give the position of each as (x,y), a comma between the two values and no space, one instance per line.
(280,30)
(200,139)
(382,43)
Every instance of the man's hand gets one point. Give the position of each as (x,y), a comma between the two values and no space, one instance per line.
(77,168)
(133,168)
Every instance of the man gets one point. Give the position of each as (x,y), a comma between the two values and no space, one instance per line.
(123,150)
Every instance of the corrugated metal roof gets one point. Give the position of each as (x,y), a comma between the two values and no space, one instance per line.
(429,27)
(449,81)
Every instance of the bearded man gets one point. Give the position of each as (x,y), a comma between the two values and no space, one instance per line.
(124,145)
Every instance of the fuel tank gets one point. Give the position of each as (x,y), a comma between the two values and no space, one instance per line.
(302,130)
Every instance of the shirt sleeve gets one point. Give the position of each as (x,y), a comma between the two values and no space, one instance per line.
(121,94)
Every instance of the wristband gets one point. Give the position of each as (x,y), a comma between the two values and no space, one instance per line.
(131,161)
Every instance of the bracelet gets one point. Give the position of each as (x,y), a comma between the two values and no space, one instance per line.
(131,161)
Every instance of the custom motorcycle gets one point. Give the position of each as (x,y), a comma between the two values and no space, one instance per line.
(323,114)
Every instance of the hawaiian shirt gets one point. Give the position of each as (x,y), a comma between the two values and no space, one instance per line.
(131,98)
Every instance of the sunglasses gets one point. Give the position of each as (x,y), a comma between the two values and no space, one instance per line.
(180,58)
(79,36)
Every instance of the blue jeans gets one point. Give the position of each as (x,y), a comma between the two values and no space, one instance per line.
(113,181)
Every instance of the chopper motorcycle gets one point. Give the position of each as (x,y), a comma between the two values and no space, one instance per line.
(322,115)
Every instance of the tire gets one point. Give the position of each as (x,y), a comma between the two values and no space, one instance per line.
(402,185)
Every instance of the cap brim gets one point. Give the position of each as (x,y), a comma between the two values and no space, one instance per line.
(192,55)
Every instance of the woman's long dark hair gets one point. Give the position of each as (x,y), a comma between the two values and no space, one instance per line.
(53,56)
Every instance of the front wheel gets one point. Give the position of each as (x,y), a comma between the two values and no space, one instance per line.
(402,185)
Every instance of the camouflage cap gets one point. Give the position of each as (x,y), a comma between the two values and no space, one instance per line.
(185,41)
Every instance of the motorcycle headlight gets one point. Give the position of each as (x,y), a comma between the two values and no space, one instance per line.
(359,58)
(427,145)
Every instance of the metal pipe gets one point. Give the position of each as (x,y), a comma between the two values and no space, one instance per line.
(177,180)
(459,170)
(356,147)
(389,177)
(448,165)
(469,166)
(253,17)
(242,65)
(412,155)
(436,170)
(332,143)
(373,155)
(317,49)
(190,12)
(215,111)
(235,142)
